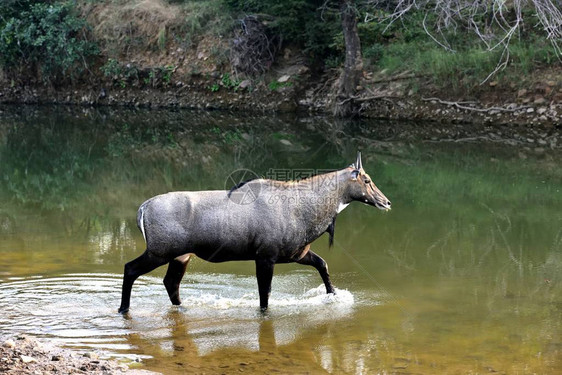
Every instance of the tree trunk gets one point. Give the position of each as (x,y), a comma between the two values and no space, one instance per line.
(345,104)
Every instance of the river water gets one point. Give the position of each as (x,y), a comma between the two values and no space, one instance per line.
(463,275)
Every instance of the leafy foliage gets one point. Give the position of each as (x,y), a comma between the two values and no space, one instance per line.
(131,74)
(230,83)
(13,8)
(47,39)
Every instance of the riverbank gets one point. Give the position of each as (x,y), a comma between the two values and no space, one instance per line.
(184,55)
(25,355)
(385,98)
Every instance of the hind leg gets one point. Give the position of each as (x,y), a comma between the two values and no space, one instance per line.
(314,260)
(135,268)
(176,270)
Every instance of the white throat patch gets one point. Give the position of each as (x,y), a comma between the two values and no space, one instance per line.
(342,206)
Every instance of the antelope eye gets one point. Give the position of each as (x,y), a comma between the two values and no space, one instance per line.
(367,181)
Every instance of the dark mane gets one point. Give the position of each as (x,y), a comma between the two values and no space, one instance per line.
(323,172)
(239,185)
(302,179)
(331,229)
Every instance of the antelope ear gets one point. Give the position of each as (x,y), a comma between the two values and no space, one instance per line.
(354,174)
(358,163)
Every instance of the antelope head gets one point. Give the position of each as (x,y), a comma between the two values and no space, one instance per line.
(363,189)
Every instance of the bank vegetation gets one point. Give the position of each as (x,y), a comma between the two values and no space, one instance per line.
(346,57)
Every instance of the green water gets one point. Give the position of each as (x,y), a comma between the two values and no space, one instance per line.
(463,275)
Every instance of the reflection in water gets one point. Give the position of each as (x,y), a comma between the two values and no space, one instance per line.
(103,242)
(221,313)
(464,275)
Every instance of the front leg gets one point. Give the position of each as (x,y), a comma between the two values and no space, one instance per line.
(314,260)
(264,273)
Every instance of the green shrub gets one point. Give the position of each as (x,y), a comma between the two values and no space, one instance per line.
(276,85)
(13,8)
(48,39)
(333,61)
(167,72)
(230,83)
(111,68)
(374,52)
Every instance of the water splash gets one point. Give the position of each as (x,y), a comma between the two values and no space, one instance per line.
(218,310)
(313,297)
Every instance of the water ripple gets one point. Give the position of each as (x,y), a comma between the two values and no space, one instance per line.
(79,310)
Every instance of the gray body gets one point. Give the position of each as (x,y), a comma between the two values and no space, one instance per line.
(276,225)
(211,225)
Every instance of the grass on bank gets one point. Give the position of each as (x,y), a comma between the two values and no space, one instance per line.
(128,26)
(467,67)
(407,47)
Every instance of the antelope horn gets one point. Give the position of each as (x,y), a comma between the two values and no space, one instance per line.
(358,163)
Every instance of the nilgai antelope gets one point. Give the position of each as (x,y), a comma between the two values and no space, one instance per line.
(276,226)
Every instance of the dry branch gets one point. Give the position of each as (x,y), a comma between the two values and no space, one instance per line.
(376,97)
(461,105)
(360,99)
(254,48)
(397,77)
(494,22)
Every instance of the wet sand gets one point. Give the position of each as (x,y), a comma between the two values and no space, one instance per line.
(25,355)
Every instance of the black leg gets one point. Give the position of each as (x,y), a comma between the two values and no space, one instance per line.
(264,273)
(176,270)
(135,268)
(312,259)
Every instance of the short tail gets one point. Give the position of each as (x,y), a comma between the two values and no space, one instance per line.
(140,220)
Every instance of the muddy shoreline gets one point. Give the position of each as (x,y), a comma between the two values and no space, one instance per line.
(25,355)
(392,102)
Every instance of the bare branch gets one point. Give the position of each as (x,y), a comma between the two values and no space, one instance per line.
(461,105)
(494,22)
(434,39)
(253,50)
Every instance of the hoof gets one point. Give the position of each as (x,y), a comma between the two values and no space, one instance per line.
(123,310)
